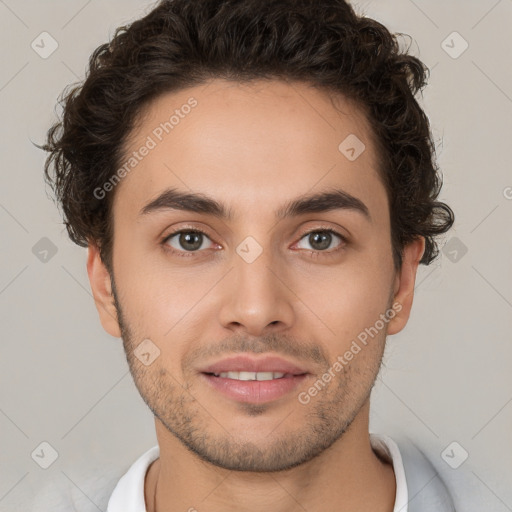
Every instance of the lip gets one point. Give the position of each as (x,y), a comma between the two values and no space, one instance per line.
(254,391)
(245,363)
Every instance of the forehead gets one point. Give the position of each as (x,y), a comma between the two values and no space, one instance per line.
(250,145)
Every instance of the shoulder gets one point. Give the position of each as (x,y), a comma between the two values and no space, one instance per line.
(91,493)
(426,489)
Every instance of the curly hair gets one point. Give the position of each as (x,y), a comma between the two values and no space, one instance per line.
(183,43)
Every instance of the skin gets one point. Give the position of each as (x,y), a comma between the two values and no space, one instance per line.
(254,147)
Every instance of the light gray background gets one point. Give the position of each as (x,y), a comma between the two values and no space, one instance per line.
(447,375)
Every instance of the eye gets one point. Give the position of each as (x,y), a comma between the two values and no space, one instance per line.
(186,240)
(322,239)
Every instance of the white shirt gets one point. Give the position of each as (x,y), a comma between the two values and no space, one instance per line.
(419,487)
(128,495)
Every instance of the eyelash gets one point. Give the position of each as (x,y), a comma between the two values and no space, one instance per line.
(313,253)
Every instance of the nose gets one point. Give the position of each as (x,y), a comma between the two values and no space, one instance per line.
(256,298)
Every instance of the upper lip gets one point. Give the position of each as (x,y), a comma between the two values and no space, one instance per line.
(245,363)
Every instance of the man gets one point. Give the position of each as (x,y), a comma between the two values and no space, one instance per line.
(256,186)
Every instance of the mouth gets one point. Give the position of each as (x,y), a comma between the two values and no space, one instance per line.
(250,375)
(251,380)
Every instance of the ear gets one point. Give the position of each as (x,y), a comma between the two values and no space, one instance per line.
(404,284)
(101,286)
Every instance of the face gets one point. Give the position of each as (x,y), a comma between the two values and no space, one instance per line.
(274,290)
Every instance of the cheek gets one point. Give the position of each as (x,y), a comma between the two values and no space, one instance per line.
(147,290)
(167,305)
(346,299)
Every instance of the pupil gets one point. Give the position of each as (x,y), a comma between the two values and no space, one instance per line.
(186,238)
(324,240)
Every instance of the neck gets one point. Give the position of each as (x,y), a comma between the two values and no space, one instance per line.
(347,476)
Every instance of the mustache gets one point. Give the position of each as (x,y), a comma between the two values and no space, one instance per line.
(279,344)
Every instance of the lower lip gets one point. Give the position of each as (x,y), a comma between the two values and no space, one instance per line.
(254,391)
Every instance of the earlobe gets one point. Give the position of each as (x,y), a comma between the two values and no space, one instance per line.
(404,285)
(101,287)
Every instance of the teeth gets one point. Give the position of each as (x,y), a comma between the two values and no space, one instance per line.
(251,375)
(242,375)
(268,376)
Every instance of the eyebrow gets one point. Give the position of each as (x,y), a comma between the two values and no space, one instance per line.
(334,199)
